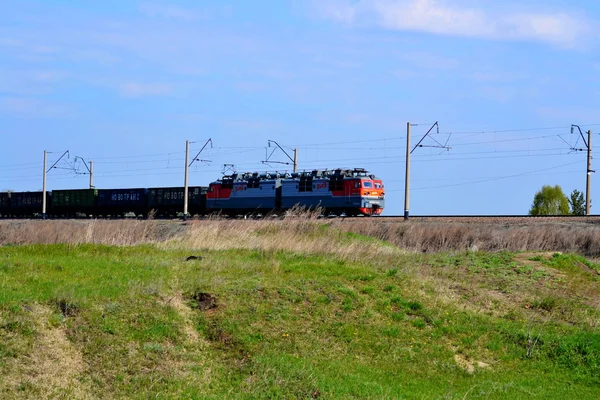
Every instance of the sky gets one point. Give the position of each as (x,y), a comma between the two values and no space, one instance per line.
(126,83)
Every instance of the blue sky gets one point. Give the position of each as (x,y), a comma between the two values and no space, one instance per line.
(125,83)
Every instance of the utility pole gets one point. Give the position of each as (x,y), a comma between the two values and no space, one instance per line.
(44,187)
(185,180)
(295,160)
(90,170)
(66,153)
(409,152)
(589,170)
(588,185)
(407,177)
(91,174)
(188,164)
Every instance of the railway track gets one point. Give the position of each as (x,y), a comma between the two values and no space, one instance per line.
(491,219)
(462,219)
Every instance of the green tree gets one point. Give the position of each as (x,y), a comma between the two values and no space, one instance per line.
(577,203)
(550,201)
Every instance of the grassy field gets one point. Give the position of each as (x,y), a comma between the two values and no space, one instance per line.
(332,315)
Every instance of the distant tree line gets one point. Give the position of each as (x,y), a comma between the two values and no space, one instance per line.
(551,200)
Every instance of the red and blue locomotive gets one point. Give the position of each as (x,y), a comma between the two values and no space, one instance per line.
(340,191)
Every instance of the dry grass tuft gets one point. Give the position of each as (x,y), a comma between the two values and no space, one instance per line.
(427,237)
(118,232)
(53,367)
(296,234)
(302,231)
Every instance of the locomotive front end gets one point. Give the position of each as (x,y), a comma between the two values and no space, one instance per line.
(372,196)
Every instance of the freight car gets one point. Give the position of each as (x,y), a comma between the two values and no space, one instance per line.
(116,203)
(73,202)
(168,201)
(22,204)
(4,204)
(340,191)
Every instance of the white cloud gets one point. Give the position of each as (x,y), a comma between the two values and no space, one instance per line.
(27,82)
(567,113)
(168,11)
(404,74)
(448,18)
(340,10)
(499,76)
(31,108)
(264,126)
(250,86)
(102,57)
(134,89)
(430,60)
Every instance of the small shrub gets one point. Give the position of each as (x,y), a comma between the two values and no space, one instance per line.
(397,301)
(364,278)
(347,304)
(67,307)
(414,305)
(524,269)
(392,272)
(580,352)
(391,331)
(367,290)
(419,323)
(547,303)
(399,316)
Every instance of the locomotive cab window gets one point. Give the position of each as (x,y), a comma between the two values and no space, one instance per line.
(367,184)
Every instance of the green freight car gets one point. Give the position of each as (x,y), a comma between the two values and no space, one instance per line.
(74,203)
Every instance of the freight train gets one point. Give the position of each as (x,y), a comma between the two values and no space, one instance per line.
(348,192)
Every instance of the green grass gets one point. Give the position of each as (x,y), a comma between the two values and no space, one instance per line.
(299,325)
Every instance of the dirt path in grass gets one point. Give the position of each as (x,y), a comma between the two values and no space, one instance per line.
(178,304)
(52,369)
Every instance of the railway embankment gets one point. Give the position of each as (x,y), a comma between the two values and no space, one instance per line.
(307,232)
(296,308)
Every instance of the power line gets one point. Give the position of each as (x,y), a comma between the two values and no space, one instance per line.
(490,131)
(499,178)
(468,180)
(307,146)
(421,158)
(505,130)
(317,146)
(507,140)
